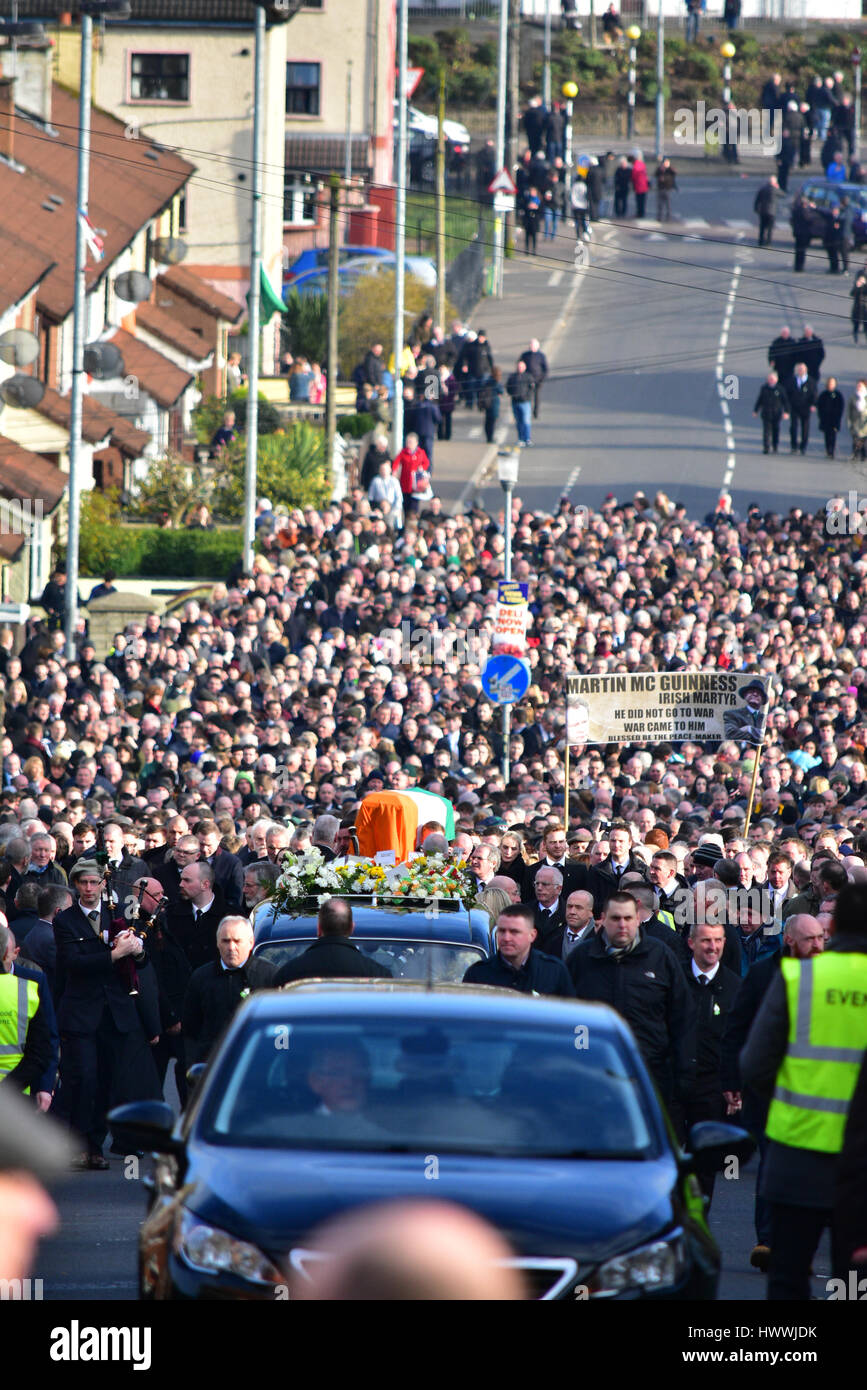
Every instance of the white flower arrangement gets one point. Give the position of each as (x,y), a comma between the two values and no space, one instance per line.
(308,876)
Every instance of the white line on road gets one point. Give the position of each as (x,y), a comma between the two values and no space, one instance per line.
(554,279)
(571,480)
(724,406)
(475,432)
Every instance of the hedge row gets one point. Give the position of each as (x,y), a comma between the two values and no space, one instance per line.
(144,551)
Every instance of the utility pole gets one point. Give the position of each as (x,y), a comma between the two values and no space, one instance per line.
(500,146)
(856,143)
(593,23)
(347,149)
(333,310)
(400,221)
(660,82)
(251,459)
(514,82)
(440,297)
(546,69)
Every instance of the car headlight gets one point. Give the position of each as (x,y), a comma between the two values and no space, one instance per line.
(657,1266)
(214,1251)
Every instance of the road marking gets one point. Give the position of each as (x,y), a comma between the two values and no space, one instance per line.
(555,278)
(725,409)
(738,222)
(475,432)
(695,222)
(656,236)
(571,480)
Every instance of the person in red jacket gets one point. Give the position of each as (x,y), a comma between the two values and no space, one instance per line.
(640,183)
(412,468)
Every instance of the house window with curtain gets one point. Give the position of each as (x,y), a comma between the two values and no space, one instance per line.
(299,201)
(302,89)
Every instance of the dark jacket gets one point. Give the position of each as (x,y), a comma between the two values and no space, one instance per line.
(520,386)
(229,877)
(41,948)
(475,359)
(87,977)
(602,881)
(547,924)
(771,402)
(766,201)
(713,1004)
(213,994)
(540,974)
(781,356)
(536,364)
(740,1019)
(373,368)
(331,958)
(172,971)
(811,351)
(647,988)
(850,1195)
(197,939)
(575,877)
(829,408)
(801,396)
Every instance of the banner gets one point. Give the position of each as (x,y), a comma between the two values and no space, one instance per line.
(509,637)
(666,707)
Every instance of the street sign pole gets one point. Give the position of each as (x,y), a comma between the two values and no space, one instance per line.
(500,148)
(507,575)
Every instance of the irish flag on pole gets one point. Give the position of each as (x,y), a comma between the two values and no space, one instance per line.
(95,243)
(391,820)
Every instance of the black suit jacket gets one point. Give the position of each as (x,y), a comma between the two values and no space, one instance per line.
(41,948)
(197,939)
(547,924)
(330,957)
(87,980)
(713,1005)
(169,876)
(229,878)
(213,994)
(575,877)
(603,881)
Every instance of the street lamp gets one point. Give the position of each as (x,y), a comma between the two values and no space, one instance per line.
(856,134)
(728,51)
(570,92)
(508,462)
(101,9)
(633,33)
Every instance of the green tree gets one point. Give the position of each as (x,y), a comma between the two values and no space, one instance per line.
(171,486)
(291,471)
(306,325)
(367,315)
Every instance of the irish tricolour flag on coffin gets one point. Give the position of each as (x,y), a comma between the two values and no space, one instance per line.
(391,821)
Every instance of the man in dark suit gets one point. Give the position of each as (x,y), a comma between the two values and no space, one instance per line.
(333,955)
(123,868)
(516,964)
(604,878)
(577,927)
(104,1055)
(26,914)
(185,851)
(40,947)
(547,905)
(227,867)
(555,855)
(214,991)
(194,920)
(651,925)
(714,990)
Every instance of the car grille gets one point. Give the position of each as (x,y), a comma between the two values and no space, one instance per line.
(545,1277)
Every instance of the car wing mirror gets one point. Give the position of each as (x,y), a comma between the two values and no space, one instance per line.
(147,1125)
(713,1144)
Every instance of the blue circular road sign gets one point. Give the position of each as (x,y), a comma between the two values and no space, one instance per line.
(506,679)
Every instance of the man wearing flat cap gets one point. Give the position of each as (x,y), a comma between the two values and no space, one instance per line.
(747,723)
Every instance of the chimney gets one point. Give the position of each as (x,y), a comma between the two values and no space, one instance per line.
(7,118)
(34,70)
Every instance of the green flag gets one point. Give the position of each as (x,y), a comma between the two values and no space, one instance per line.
(270,302)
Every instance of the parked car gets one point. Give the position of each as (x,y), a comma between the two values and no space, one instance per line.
(827,194)
(439,942)
(316,258)
(564,1148)
(353,269)
(417,123)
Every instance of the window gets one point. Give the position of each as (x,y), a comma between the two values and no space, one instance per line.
(159,77)
(302,89)
(299,201)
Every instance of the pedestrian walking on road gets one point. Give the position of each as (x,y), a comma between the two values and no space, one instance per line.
(520,388)
(489,401)
(666,183)
(640,183)
(536,363)
(595,188)
(765,206)
(801,394)
(531,214)
(783,354)
(773,406)
(580,203)
(811,351)
(805,225)
(804,151)
(622,185)
(856,419)
(859,304)
(829,409)
(835,240)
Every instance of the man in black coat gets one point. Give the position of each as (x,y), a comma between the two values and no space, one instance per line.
(122,868)
(516,965)
(772,405)
(604,878)
(782,355)
(555,856)
(194,920)
(811,351)
(765,206)
(332,956)
(228,869)
(536,363)
(475,362)
(644,982)
(104,1055)
(714,989)
(548,903)
(801,395)
(40,946)
(215,991)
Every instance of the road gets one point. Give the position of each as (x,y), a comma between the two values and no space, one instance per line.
(666,342)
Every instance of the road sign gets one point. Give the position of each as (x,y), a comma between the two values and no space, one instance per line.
(502,183)
(506,679)
(504,202)
(413,77)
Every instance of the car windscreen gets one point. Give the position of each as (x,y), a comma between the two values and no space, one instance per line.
(440,962)
(463,1086)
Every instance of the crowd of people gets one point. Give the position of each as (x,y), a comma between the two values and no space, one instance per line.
(793,390)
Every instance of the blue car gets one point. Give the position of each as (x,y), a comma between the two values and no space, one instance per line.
(316,258)
(330,1095)
(437,943)
(826,193)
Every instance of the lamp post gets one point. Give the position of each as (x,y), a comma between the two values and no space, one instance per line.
(728,51)
(570,92)
(114,9)
(500,145)
(546,66)
(633,33)
(660,82)
(856,134)
(508,462)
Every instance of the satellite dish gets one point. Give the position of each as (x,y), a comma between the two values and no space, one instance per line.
(18,347)
(24,392)
(133,286)
(168,250)
(103,360)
